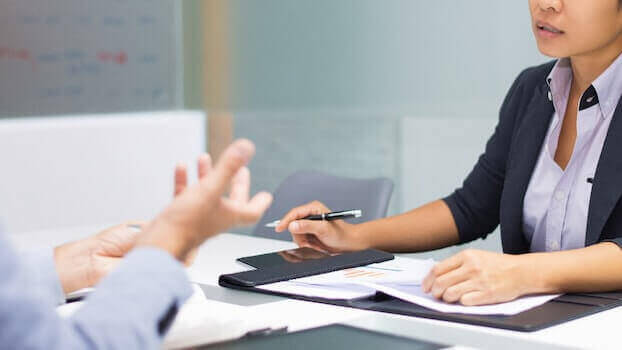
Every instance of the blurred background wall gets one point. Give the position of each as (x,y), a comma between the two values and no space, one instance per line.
(406,89)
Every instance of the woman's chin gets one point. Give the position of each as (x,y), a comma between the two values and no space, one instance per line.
(552,52)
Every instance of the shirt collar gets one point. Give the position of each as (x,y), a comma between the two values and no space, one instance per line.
(608,86)
(559,81)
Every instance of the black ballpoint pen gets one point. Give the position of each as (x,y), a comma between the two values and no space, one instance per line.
(336,215)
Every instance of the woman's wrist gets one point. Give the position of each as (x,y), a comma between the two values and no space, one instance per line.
(359,237)
(535,275)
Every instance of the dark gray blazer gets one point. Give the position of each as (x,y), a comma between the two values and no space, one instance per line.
(494,191)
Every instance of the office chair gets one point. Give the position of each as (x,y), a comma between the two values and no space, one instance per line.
(338,193)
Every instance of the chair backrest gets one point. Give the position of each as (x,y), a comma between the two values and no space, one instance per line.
(338,193)
(92,170)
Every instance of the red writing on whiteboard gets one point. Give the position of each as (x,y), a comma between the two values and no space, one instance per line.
(19,54)
(112,57)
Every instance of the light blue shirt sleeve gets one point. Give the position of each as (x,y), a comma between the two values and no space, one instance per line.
(44,278)
(130,309)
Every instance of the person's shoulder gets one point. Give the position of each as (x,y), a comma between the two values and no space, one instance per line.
(535,75)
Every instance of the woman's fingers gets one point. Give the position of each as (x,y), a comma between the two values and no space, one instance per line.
(440,269)
(475,298)
(313,208)
(315,232)
(181,179)
(318,245)
(290,257)
(447,281)
(300,240)
(455,292)
(317,228)
(309,241)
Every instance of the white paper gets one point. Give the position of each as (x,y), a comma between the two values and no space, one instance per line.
(415,295)
(407,271)
(347,284)
(400,278)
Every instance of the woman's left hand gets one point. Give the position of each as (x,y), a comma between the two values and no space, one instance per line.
(476,277)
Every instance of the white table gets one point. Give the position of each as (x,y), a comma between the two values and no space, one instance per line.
(217,256)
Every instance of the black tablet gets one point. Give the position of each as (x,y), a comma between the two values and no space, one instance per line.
(328,337)
(284,257)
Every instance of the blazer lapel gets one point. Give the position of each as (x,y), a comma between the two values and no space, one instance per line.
(607,187)
(527,145)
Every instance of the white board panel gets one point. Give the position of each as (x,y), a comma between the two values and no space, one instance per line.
(93,169)
(83,56)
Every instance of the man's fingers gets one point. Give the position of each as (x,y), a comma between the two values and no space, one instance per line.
(260,202)
(240,186)
(138,224)
(237,155)
(251,212)
(181,178)
(204,165)
(191,257)
(313,208)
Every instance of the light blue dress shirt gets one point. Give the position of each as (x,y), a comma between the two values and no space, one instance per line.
(130,309)
(557,200)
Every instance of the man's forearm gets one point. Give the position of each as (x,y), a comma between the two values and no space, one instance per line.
(429,227)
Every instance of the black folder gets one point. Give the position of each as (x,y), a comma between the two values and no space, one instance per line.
(559,310)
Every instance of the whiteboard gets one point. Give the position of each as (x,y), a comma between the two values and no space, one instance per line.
(85,56)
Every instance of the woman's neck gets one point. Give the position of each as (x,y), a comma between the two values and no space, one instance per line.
(587,67)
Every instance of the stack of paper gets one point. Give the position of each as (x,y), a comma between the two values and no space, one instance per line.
(400,278)
(203,321)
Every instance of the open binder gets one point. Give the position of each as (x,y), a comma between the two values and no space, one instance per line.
(559,310)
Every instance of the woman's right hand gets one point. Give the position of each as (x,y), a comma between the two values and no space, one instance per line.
(328,236)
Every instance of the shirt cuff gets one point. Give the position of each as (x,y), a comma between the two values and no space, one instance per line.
(42,273)
(149,283)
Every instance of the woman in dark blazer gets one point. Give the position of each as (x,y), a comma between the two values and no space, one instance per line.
(551,176)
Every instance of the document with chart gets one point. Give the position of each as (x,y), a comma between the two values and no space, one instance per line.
(401,278)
